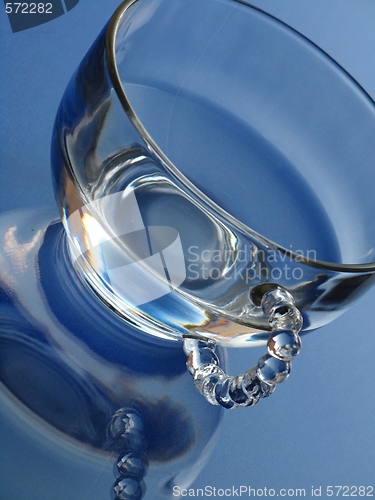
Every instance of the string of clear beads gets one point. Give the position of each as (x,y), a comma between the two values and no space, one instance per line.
(260,381)
(125,432)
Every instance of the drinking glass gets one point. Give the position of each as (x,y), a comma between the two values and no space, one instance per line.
(83,396)
(214,173)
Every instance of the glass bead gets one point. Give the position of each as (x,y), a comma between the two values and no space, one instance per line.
(284,345)
(129,489)
(274,299)
(222,395)
(200,356)
(240,395)
(237,392)
(272,370)
(254,387)
(190,344)
(286,319)
(132,464)
(205,379)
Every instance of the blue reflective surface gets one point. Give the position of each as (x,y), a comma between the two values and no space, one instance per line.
(317,430)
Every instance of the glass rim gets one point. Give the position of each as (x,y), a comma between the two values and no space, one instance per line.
(110,53)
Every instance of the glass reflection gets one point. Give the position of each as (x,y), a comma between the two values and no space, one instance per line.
(68,366)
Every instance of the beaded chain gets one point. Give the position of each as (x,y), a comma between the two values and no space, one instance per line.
(260,381)
(125,432)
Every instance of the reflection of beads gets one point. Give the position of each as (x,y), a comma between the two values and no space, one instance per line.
(259,382)
(125,432)
(132,464)
(129,489)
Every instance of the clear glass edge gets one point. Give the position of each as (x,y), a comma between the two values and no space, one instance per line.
(164,160)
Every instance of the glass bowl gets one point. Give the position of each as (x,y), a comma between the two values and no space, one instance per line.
(205,153)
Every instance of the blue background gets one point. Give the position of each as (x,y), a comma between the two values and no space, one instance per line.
(318,428)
